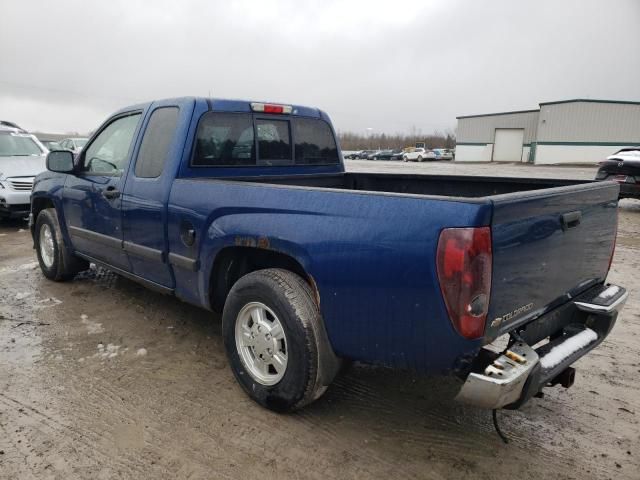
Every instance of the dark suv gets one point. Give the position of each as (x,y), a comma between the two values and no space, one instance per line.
(623,167)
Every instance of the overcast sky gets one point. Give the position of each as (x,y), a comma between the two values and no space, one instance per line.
(386,65)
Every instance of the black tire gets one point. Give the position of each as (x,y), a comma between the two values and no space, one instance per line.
(65,265)
(419,158)
(311,364)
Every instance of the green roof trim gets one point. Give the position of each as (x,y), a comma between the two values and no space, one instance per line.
(484,144)
(591,100)
(594,144)
(498,113)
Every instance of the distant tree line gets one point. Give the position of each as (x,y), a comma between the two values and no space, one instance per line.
(373,141)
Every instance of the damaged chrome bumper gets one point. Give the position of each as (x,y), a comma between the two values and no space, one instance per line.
(502,381)
(520,372)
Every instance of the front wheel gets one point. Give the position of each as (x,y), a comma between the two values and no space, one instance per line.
(275,340)
(55,261)
(419,159)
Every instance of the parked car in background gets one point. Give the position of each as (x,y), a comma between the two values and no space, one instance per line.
(623,167)
(349,154)
(443,154)
(5,123)
(51,144)
(383,154)
(310,263)
(418,155)
(22,157)
(364,154)
(397,154)
(73,144)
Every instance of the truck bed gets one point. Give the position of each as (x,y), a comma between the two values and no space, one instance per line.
(541,257)
(413,184)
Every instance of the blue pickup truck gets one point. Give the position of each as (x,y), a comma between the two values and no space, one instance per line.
(246,208)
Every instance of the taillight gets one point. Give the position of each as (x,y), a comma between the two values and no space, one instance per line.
(464,272)
(615,238)
(271,108)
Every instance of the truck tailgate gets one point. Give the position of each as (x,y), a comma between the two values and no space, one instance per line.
(548,246)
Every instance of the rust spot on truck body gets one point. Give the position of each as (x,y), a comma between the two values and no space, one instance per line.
(255,242)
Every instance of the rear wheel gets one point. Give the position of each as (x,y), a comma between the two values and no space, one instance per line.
(55,261)
(419,158)
(275,340)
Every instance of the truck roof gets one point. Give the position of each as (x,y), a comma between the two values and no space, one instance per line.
(235,105)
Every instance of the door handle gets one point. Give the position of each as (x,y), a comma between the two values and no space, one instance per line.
(570,219)
(111,193)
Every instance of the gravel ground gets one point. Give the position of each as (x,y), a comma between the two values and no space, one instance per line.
(100,378)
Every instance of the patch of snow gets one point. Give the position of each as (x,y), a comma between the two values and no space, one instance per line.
(110,351)
(18,268)
(21,295)
(569,346)
(141,352)
(47,302)
(92,327)
(610,292)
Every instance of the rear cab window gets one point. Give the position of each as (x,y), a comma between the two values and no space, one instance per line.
(246,139)
(274,142)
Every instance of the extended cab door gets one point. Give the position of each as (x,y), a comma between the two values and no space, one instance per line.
(147,191)
(92,197)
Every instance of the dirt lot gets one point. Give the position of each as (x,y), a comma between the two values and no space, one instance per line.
(100,378)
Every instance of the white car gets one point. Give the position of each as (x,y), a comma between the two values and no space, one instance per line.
(22,157)
(73,144)
(418,155)
(443,153)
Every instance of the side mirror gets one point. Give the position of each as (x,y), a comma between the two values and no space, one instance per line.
(60,161)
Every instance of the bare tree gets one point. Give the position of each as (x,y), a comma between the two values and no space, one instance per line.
(370,141)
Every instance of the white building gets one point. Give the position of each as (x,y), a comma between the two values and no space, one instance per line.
(568,131)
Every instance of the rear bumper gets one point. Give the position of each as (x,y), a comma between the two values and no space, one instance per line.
(509,379)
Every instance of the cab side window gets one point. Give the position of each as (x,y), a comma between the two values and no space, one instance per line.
(158,137)
(108,153)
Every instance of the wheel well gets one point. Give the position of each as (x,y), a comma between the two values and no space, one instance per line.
(231,263)
(39,204)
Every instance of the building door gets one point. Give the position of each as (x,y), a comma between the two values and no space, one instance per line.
(508,145)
